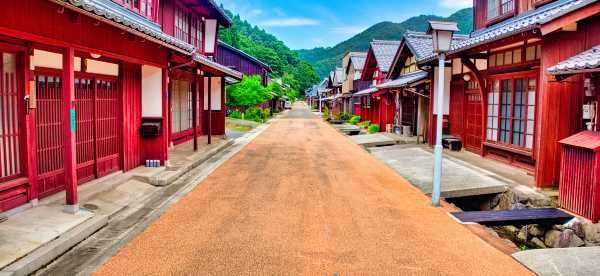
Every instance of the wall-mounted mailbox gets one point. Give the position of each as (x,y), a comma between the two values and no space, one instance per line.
(151,127)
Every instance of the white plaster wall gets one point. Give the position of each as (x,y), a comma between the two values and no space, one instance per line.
(151,91)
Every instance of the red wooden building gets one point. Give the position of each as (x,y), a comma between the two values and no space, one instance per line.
(502,68)
(79,81)
(377,105)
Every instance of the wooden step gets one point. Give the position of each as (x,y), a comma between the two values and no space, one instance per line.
(547,216)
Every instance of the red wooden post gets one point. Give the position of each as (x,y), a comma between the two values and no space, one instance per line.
(70,161)
(195,107)
(166,115)
(209,109)
(30,149)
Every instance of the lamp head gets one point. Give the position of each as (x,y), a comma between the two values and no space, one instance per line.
(442,33)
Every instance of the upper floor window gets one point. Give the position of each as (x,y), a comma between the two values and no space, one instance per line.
(182,25)
(515,56)
(145,8)
(196,32)
(499,8)
(410,65)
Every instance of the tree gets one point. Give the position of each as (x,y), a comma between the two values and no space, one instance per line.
(247,93)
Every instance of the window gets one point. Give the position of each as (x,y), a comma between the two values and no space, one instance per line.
(514,56)
(182,25)
(410,65)
(196,32)
(143,7)
(499,8)
(511,111)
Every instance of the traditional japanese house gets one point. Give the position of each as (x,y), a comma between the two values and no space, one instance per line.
(579,179)
(502,98)
(377,106)
(337,80)
(353,62)
(242,62)
(85,89)
(246,64)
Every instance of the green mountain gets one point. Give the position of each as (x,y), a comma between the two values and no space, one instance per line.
(286,64)
(326,59)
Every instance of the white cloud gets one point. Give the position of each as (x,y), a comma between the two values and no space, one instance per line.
(290,22)
(348,30)
(255,12)
(456,4)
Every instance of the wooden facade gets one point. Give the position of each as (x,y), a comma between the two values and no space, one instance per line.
(523,112)
(77,87)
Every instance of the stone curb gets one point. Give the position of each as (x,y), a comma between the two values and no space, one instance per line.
(50,251)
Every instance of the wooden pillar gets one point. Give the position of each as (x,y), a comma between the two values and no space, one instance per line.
(209,91)
(69,129)
(30,124)
(195,107)
(166,88)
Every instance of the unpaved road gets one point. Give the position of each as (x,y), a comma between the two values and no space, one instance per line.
(301,199)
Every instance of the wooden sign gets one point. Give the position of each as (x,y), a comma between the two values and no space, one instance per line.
(32,95)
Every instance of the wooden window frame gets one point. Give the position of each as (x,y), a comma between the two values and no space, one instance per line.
(136,6)
(523,61)
(501,15)
(182,31)
(510,146)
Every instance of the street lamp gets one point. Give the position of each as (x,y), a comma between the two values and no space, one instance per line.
(441,33)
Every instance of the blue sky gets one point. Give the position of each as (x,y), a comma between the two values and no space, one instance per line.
(305,24)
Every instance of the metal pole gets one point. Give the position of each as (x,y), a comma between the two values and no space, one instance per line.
(438,151)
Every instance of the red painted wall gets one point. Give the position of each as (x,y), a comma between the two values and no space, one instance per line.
(131,83)
(559,111)
(457,108)
(76,30)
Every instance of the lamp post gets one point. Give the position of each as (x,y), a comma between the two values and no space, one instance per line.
(441,33)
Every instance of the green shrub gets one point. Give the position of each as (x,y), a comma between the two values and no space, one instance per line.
(345,116)
(355,120)
(254,114)
(365,123)
(337,116)
(266,114)
(235,114)
(326,115)
(373,129)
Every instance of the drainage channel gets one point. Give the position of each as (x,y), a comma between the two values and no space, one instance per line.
(87,256)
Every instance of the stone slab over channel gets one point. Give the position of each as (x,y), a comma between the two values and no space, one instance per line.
(374,140)
(561,261)
(416,165)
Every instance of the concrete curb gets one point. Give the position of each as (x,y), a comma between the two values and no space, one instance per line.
(167,177)
(50,251)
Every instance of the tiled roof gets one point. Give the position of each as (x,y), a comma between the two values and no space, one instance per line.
(421,45)
(521,23)
(129,19)
(248,56)
(404,80)
(221,68)
(365,92)
(385,51)
(588,61)
(358,60)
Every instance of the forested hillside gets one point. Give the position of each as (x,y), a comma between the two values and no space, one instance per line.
(325,59)
(286,64)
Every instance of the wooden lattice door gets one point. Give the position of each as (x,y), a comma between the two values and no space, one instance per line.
(10,138)
(98,127)
(473,128)
(49,140)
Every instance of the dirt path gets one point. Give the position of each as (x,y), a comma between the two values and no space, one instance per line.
(301,199)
